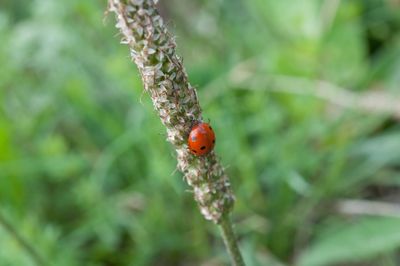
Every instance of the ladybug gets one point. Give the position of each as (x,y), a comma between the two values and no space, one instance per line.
(201,139)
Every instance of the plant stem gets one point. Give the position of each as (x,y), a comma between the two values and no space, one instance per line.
(153,49)
(230,241)
(24,244)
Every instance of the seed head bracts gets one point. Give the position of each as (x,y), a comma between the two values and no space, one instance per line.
(153,50)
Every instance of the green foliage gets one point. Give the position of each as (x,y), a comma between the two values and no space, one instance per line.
(87,177)
(362,240)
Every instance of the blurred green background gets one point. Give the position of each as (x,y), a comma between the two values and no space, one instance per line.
(304,99)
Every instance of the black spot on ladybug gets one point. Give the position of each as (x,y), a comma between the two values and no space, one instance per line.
(194,138)
(210,127)
(194,151)
(213,141)
(202,147)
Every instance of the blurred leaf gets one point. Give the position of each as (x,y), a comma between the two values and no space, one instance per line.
(359,241)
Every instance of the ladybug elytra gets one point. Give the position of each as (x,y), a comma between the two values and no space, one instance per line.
(201,139)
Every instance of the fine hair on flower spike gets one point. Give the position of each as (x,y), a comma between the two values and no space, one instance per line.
(153,50)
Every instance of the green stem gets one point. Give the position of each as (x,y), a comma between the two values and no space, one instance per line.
(24,244)
(230,241)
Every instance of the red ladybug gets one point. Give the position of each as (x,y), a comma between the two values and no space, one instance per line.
(201,139)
